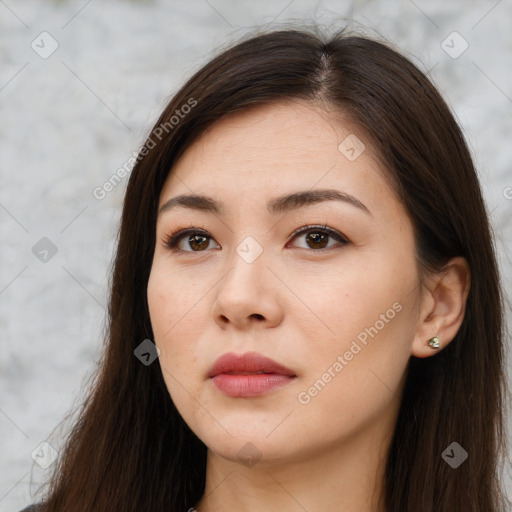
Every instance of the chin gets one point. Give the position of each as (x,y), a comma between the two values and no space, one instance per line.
(246,446)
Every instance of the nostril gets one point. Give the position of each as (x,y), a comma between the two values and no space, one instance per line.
(258,316)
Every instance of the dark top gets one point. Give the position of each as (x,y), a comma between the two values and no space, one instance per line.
(30,508)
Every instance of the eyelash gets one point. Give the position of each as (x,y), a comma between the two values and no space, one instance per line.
(171,241)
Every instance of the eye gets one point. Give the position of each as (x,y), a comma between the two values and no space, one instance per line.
(197,240)
(317,237)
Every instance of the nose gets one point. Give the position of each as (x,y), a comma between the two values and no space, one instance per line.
(248,296)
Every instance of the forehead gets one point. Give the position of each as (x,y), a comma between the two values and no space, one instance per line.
(278,148)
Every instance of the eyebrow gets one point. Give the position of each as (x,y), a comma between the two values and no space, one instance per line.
(279,204)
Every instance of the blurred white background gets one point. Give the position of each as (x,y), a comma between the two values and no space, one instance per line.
(81,84)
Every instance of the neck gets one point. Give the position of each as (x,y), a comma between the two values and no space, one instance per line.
(346,476)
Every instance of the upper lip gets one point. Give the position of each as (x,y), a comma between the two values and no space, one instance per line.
(250,362)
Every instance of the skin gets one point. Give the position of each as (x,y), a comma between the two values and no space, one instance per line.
(297,304)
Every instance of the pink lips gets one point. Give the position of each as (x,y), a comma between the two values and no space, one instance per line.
(248,375)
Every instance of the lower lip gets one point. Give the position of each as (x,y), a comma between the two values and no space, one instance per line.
(249,385)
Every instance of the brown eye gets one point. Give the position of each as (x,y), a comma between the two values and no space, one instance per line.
(317,240)
(196,241)
(318,237)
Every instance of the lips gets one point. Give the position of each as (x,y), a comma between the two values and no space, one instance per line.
(250,363)
(248,375)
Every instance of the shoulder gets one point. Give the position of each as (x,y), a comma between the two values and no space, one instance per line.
(30,508)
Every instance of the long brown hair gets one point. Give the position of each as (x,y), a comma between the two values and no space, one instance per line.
(130,450)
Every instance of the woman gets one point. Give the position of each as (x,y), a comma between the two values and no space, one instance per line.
(305,308)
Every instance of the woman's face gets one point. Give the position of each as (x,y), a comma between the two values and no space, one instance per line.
(338,306)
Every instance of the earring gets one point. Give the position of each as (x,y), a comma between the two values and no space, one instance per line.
(434,342)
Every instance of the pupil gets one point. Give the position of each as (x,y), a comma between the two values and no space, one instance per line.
(317,238)
(193,239)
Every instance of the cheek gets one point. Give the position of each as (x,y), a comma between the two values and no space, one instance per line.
(173,310)
(352,380)
(338,302)
(365,314)
(174,314)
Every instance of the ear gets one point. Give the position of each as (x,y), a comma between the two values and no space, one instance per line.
(442,307)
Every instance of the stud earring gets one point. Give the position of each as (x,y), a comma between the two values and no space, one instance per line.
(434,342)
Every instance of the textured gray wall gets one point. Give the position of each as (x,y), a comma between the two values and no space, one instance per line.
(71,118)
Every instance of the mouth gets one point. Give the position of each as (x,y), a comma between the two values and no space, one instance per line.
(250,363)
(248,375)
